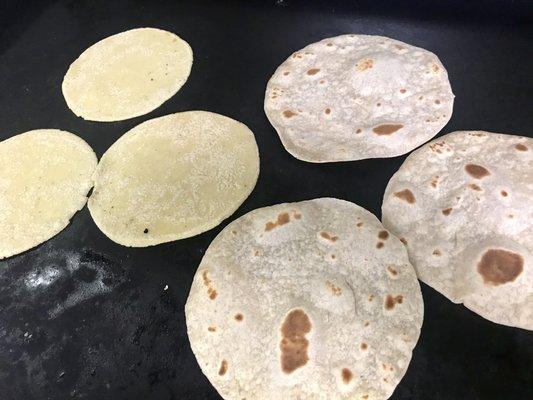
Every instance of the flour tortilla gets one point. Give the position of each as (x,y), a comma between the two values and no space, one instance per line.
(127,74)
(353,97)
(173,177)
(45,176)
(321,279)
(463,205)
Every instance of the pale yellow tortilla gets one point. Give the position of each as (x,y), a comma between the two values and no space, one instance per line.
(45,176)
(173,177)
(127,74)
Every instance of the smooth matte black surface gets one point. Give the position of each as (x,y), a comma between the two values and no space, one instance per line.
(82,317)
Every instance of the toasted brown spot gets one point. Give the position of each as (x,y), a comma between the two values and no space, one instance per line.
(289,114)
(337,291)
(380,245)
(333,256)
(212,328)
(358,131)
(473,186)
(359,224)
(293,344)
(364,346)
(420,97)
(371,297)
(406,195)
(437,101)
(234,232)
(447,211)
(503,193)
(207,281)
(499,266)
(346,375)
(256,253)
(365,397)
(386,129)
(476,171)
(384,235)
(296,55)
(327,110)
(223,368)
(297,215)
(390,301)
(313,71)
(329,237)
(437,252)
(283,219)
(212,293)
(403,90)
(399,47)
(365,64)
(286,73)
(404,241)
(329,44)
(378,104)
(435,68)
(367,323)
(321,81)
(392,271)
(521,147)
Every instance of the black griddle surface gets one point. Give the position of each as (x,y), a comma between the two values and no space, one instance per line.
(84,318)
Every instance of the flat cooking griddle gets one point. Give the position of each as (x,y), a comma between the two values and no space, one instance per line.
(84,318)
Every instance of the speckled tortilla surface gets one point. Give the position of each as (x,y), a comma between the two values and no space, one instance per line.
(463,205)
(307,300)
(173,177)
(45,176)
(127,74)
(354,97)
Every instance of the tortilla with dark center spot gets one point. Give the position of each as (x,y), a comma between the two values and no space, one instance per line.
(319,308)
(472,238)
(353,97)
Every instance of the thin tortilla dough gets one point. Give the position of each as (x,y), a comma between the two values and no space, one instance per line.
(127,74)
(353,97)
(462,204)
(45,176)
(308,300)
(173,177)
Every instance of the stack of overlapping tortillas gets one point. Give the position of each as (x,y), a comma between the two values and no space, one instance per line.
(462,205)
(309,300)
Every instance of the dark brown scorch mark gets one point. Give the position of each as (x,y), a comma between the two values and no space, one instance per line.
(283,219)
(223,368)
(406,195)
(380,245)
(238,317)
(476,171)
(392,271)
(386,129)
(503,193)
(293,343)
(346,375)
(289,113)
(499,266)
(313,71)
(364,346)
(475,187)
(383,235)
(210,290)
(329,236)
(447,211)
(390,301)
(521,147)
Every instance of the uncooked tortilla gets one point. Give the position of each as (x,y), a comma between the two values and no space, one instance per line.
(127,74)
(45,176)
(463,205)
(353,97)
(308,300)
(173,177)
